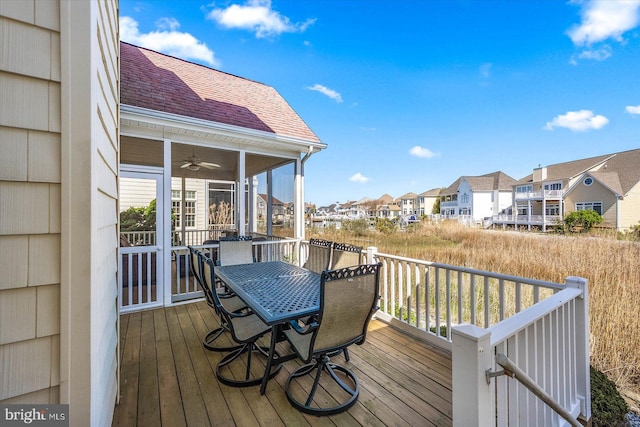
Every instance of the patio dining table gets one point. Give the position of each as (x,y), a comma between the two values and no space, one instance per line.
(276,292)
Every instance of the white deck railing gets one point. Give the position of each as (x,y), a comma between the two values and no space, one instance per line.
(541,326)
(431,297)
(184,285)
(548,341)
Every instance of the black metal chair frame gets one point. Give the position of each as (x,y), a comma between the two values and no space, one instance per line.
(213,334)
(318,248)
(320,359)
(248,344)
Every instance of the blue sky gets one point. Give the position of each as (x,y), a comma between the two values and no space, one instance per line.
(411,95)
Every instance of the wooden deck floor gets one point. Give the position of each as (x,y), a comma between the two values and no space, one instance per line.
(168,379)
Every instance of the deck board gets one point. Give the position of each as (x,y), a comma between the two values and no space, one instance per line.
(168,378)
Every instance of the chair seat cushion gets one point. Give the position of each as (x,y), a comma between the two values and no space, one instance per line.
(300,343)
(247,328)
(232,304)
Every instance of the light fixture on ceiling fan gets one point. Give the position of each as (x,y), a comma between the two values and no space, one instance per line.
(194,163)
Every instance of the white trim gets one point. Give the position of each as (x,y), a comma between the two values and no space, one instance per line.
(189,125)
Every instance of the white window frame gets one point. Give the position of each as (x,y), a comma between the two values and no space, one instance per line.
(583,206)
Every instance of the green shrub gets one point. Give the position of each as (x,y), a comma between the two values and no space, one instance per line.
(608,408)
(385,225)
(585,219)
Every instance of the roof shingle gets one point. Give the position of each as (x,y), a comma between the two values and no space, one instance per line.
(163,83)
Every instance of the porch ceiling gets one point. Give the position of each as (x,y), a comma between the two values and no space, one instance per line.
(149,152)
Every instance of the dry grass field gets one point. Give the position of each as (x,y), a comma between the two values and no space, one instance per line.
(611,266)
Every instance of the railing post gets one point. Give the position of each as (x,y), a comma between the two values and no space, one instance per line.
(372,253)
(471,357)
(583,379)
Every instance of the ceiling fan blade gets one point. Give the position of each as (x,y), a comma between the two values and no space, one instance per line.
(186,165)
(209,165)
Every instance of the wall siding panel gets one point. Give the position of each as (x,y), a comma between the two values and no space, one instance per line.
(25,49)
(26,367)
(13,162)
(25,102)
(14,251)
(17,308)
(30,201)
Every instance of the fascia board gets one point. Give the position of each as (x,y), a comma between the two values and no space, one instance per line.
(159,118)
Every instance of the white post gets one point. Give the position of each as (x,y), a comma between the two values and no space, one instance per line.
(582,344)
(471,357)
(372,251)
(240,199)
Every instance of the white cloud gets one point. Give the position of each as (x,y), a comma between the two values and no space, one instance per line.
(326,91)
(359,178)
(605,19)
(167,39)
(633,109)
(423,152)
(258,17)
(577,121)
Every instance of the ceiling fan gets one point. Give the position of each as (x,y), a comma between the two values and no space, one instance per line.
(194,163)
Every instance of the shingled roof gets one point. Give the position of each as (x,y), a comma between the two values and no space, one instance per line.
(618,171)
(164,83)
(491,181)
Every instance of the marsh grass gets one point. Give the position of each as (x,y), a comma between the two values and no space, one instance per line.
(611,266)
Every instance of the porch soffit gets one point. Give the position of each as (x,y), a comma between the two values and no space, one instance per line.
(145,123)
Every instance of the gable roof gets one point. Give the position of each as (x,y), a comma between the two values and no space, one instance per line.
(488,182)
(274,201)
(568,170)
(618,171)
(161,82)
(408,196)
(434,192)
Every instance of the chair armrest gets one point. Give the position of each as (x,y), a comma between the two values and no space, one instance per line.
(303,330)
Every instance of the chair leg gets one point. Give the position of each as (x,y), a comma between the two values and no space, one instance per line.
(212,336)
(250,349)
(341,375)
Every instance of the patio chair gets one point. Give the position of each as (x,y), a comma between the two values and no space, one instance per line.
(345,255)
(319,255)
(348,299)
(235,250)
(231,302)
(246,329)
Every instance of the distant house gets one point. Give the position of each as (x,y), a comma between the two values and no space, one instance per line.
(426,201)
(387,207)
(408,204)
(279,208)
(607,184)
(477,197)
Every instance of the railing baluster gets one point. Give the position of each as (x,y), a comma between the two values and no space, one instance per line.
(487,303)
(437,292)
(472,292)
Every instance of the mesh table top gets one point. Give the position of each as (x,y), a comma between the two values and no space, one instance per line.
(275,291)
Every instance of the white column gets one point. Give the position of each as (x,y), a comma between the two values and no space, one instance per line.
(165,254)
(298,201)
(582,344)
(253,204)
(240,187)
(269,218)
(471,357)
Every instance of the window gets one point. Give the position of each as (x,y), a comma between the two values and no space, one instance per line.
(465,198)
(221,210)
(523,210)
(553,186)
(588,181)
(188,214)
(524,188)
(593,206)
(552,210)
